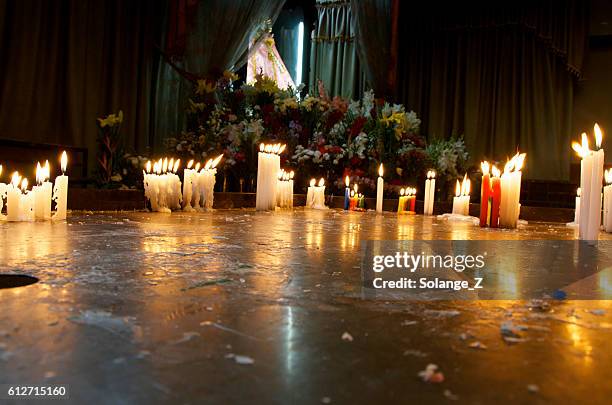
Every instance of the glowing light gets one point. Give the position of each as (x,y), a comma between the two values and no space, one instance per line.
(64,161)
(380,170)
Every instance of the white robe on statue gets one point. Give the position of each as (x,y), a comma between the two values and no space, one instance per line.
(266,60)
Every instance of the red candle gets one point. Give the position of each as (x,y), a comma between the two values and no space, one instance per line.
(494,198)
(484,194)
(412,199)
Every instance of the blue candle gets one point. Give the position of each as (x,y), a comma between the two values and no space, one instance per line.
(347,193)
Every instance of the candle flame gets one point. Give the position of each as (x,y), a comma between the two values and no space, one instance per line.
(261,147)
(38,172)
(64,161)
(24,184)
(402,191)
(170,164)
(282,148)
(355,187)
(380,170)
(313,182)
(321,182)
(608,176)
(0,169)
(47,171)
(281,174)
(15,179)
(197,166)
(276,148)
(190,164)
(458,189)
(509,166)
(578,191)
(578,149)
(165,165)
(598,135)
(352,193)
(216,161)
(520,160)
(347,180)
(208,164)
(484,166)
(176,165)
(496,172)
(585,143)
(148,167)
(291,175)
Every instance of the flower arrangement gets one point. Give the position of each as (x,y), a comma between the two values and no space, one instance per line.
(325,137)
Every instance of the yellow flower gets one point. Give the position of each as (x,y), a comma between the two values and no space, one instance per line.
(231,76)
(204,86)
(111,120)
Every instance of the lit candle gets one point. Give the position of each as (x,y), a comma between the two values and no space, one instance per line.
(485,190)
(430,189)
(510,206)
(412,200)
(401,205)
(461,201)
(380,185)
(207,182)
(60,191)
(13,199)
(39,210)
(591,176)
(290,187)
(188,177)
(310,193)
(319,195)
(347,193)
(47,189)
(494,198)
(27,203)
(353,201)
(268,166)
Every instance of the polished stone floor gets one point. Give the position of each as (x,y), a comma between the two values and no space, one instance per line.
(243,307)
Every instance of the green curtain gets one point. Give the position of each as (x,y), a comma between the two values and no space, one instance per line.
(333,54)
(66,63)
(286,38)
(217,40)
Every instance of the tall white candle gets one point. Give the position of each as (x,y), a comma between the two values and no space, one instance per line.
(268,167)
(591,176)
(509,209)
(430,189)
(310,193)
(607,205)
(13,199)
(379,190)
(27,203)
(188,176)
(60,191)
(207,182)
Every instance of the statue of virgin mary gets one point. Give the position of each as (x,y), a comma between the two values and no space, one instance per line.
(265,59)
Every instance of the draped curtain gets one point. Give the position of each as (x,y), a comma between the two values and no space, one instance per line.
(205,38)
(500,74)
(333,57)
(66,62)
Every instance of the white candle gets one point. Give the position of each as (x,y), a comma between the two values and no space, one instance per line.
(188,176)
(509,209)
(47,190)
(379,190)
(430,189)
(13,199)
(310,193)
(207,182)
(607,205)
(319,195)
(591,176)
(461,201)
(268,167)
(60,191)
(27,203)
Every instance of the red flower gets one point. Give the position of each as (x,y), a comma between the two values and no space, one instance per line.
(357,126)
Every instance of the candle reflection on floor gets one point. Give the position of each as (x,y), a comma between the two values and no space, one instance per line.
(164,302)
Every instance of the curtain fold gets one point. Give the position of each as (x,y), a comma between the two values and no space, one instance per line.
(373,26)
(333,52)
(66,63)
(215,40)
(501,74)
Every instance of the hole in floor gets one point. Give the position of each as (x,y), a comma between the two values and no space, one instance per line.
(16,280)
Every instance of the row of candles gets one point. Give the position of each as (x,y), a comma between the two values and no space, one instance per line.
(23,204)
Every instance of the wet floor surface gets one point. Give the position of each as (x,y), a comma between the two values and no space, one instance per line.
(242,307)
